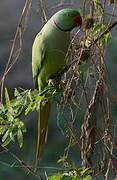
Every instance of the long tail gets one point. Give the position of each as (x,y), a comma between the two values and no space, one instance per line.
(44,112)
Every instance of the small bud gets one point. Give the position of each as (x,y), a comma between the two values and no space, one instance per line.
(88,23)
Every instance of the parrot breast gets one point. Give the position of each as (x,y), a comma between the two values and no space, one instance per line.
(52,44)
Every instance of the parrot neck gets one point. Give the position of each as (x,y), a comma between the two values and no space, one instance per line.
(60,28)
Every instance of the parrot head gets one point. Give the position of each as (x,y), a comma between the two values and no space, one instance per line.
(67,19)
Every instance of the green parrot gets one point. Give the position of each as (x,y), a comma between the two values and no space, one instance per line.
(48,58)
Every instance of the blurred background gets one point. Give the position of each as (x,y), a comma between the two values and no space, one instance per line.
(21,76)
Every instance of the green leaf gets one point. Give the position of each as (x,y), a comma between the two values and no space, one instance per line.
(29,96)
(86,171)
(10,112)
(65,177)
(7,141)
(87,178)
(3,129)
(71,178)
(2,108)
(1,121)
(11,136)
(20,137)
(7,98)
(56,177)
(5,135)
(10,115)
(31,107)
(16,93)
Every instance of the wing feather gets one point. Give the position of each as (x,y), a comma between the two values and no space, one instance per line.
(38,56)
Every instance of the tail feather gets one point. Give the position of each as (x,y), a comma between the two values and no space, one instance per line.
(42,129)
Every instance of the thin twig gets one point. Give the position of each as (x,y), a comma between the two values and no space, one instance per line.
(67,67)
(14,54)
(44,16)
(23,164)
(103,33)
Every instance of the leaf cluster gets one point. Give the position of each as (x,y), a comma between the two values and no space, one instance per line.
(79,174)
(25,102)
(72,171)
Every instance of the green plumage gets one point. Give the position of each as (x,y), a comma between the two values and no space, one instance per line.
(49,51)
(49,57)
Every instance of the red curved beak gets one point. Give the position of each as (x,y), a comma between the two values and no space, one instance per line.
(78,20)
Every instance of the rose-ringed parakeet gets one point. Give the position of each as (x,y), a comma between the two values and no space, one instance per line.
(49,57)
